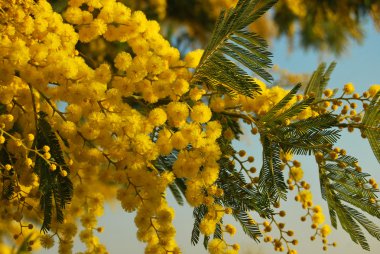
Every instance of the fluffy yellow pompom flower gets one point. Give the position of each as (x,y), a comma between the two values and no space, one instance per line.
(177,113)
(328,93)
(296,173)
(122,61)
(88,220)
(192,58)
(230,229)
(98,26)
(201,113)
(373,90)
(196,93)
(349,88)
(306,196)
(68,129)
(47,241)
(157,116)
(217,246)
(317,209)
(180,86)
(325,230)
(217,104)
(30,137)
(213,130)
(178,141)
(318,218)
(8,167)
(207,227)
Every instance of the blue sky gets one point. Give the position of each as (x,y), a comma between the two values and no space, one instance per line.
(361,66)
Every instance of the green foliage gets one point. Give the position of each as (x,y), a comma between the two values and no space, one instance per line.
(250,228)
(198,214)
(301,137)
(229,55)
(271,181)
(319,80)
(342,186)
(308,136)
(8,181)
(177,188)
(271,115)
(230,40)
(56,190)
(371,125)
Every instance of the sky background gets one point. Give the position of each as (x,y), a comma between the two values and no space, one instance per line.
(360,65)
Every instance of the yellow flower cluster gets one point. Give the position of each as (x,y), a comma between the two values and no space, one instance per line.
(107,142)
(117,117)
(261,103)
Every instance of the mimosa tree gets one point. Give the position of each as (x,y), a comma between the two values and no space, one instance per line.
(96,105)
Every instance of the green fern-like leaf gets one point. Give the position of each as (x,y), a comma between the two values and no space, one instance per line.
(371,125)
(176,193)
(304,136)
(198,214)
(178,188)
(319,79)
(344,188)
(218,231)
(270,115)
(309,142)
(8,181)
(271,180)
(238,196)
(371,227)
(56,190)
(249,228)
(206,238)
(232,46)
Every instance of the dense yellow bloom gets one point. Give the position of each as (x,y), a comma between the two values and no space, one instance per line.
(306,196)
(325,230)
(230,229)
(373,90)
(123,60)
(207,227)
(180,87)
(178,141)
(177,113)
(296,173)
(157,116)
(217,246)
(121,104)
(217,104)
(318,218)
(349,88)
(201,113)
(47,241)
(192,58)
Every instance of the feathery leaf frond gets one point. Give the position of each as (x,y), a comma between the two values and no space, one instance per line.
(271,179)
(341,186)
(270,115)
(319,79)
(54,187)
(371,125)
(231,39)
